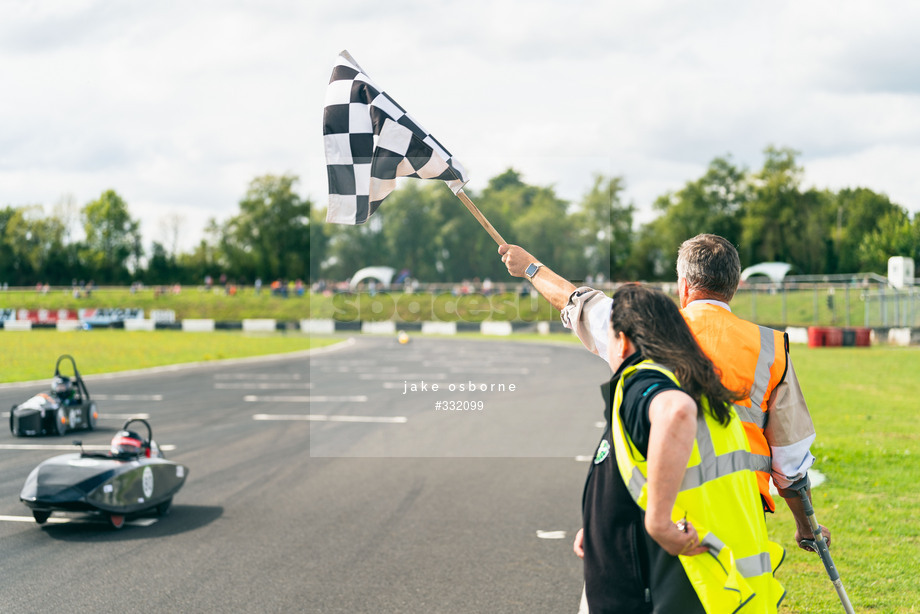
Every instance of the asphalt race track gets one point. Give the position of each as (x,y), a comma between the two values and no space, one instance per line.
(329,483)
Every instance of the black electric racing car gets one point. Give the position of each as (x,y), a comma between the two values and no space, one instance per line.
(66,407)
(133,478)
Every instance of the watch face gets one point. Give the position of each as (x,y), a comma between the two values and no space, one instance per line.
(532,270)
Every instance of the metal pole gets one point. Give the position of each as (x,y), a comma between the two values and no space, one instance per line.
(753,303)
(820,546)
(883,307)
(816,304)
(846,295)
(785,320)
(897,308)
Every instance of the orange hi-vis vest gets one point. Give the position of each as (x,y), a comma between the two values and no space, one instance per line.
(753,360)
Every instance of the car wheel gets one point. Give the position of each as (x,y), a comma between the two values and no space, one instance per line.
(163,508)
(59,421)
(117,521)
(13,428)
(40,516)
(91,417)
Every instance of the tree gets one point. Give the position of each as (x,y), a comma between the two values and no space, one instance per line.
(856,213)
(162,267)
(711,204)
(205,257)
(351,248)
(780,223)
(604,227)
(270,237)
(534,217)
(34,247)
(319,243)
(894,235)
(113,240)
(413,223)
(170,227)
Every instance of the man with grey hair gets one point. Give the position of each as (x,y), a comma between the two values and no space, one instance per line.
(753,360)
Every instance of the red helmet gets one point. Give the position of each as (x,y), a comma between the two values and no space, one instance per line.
(127,443)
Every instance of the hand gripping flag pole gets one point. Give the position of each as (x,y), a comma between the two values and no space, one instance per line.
(370,141)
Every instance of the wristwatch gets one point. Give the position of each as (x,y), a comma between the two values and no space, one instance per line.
(532,269)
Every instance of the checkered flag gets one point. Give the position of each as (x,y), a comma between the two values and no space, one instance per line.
(370,141)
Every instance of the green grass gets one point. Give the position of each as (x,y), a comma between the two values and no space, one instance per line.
(27,356)
(191,302)
(431,307)
(864,405)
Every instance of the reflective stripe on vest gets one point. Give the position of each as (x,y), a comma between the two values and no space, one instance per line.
(710,467)
(762,372)
(719,492)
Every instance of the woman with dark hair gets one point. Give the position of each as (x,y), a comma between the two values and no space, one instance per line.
(672,516)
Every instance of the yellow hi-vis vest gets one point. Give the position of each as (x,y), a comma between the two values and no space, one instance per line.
(719,495)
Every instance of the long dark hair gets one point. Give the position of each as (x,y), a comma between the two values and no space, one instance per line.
(652,321)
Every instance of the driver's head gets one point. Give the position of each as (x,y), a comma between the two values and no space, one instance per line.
(61,385)
(127,443)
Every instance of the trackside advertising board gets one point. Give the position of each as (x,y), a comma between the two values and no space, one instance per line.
(93,317)
(107,317)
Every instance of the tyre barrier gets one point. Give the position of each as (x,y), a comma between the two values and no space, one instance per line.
(832,336)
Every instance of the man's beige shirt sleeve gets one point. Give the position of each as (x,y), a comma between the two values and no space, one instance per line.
(588,314)
(789,431)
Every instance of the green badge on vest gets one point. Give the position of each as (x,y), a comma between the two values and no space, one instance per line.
(603,451)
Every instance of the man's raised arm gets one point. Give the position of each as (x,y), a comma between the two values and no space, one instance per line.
(584,310)
(551,286)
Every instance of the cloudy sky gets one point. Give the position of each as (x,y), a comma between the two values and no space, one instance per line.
(178,105)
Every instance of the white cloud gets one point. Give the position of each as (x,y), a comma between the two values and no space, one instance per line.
(178,105)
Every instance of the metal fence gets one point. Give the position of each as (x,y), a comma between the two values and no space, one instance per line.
(798,303)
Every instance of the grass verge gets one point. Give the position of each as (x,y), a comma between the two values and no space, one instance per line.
(864,405)
(31,355)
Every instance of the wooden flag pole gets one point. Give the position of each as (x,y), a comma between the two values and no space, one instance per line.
(479,216)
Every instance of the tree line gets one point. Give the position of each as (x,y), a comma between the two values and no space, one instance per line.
(423,228)
(765,212)
(268,239)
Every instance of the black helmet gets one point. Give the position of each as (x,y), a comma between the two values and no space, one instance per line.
(127,442)
(61,386)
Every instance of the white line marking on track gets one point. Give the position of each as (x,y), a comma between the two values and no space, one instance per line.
(124,416)
(405,376)
(374,368)
(463,363)
(489,370)
(551,534)
(583,459)
(137,522)
(261,386)
(51,520)
(325,418)
(68,447)
(258,376)
(251,398)
(128,397)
